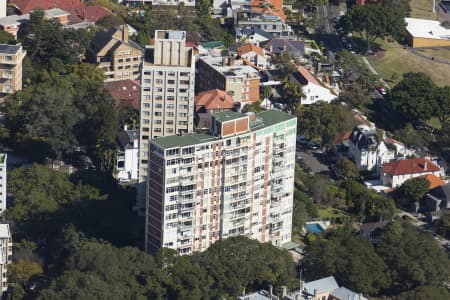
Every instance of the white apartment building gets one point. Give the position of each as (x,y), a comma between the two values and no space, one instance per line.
(136,3)
(236,180)
(5,255)
(3,195)
(167,96)
(127,156)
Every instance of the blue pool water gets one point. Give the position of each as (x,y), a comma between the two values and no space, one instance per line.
(314,228)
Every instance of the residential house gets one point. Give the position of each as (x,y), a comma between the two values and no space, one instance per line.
(313,90)
(372,231)
(437,201)
(241,173)
(278,46)
(126,92)
(209,102)
(119,57)
(78,10)
(252,34)
(11,58)
(127,157)
(253,55)
(395,173)
(434,181)
(369,149)
(344,293)
(13,23)
(228,74)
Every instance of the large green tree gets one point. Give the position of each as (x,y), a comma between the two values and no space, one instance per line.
(413,257)
(373,21)
(413,190)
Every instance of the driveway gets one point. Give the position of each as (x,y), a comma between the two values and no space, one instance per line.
(310,160)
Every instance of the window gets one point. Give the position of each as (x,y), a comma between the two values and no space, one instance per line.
(169,122)
(170,98)
(170,114)
(120,60)
(147,81)
(136,59)
(171,73)
(157,129)
(160,73)
(170,106)
(170,90)
(171,81)
(158,113)
(128,59)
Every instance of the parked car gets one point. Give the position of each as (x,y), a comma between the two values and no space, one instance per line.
(312,145)
(302,140)
(381,90)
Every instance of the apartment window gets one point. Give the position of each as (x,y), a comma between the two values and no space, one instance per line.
(127,67)
(128,59)
(170,98)
(158,122)
(125,52)
(170,90)
(159,81)
(146,113)
(181,106)
(158,89)
(157,129)
(170,106)
(158,97)
(170,114)
(183,90)
(146,121)
(120,67)
(120,60)
(147,73)
(169,122)
(169,130)
(160,73)
(8,57)
(158,105)
(146,97)
(171,73)
(184,82)
(135,66)
(147,81)
(147,89)
(158,113)
(135,58)
(171,81)
(146,105)
(126,74)
(184,74)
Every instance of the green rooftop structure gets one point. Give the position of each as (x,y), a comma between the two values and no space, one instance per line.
(225,116)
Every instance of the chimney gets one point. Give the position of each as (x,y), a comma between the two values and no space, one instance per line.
(270,291)
(425,166)
(283,293)
(124,33)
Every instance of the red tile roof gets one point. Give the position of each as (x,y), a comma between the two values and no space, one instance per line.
(409,166)
(249,48)
(434,181)
(268,8)
(213,99)
(307,75)
(77,9)
(126,92)
(341,137)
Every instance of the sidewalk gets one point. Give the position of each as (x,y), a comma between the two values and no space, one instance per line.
(371,69)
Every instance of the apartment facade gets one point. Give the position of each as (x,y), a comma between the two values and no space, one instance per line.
(167,96)
(119,57)
(3,157)
(5,255)
(228,74)
(136,3)
(11,58)
(237,180)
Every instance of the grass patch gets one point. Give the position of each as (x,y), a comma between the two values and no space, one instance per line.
(392,61)
(439,53)
(422,9)
(331,213)
(433,121)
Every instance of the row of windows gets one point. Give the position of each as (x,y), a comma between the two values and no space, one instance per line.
(170,73)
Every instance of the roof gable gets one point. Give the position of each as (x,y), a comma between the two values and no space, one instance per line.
(409,166)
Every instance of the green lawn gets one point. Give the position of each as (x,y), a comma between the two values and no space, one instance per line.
(422,9)
(331,213)
(392,61)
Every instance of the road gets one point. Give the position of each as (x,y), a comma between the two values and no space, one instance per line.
(311,160)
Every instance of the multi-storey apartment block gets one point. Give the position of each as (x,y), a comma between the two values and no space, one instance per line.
(2,182)
(119,57)
(5,255)
(167,96)
(228,74)
(11,57)
(237,180)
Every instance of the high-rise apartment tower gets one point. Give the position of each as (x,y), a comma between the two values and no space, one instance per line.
(237,180)
(167,96)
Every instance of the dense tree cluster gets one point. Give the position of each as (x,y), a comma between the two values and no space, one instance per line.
(321,121)
(402,261)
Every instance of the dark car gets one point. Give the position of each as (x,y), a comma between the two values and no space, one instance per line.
(312,145)
(302,140)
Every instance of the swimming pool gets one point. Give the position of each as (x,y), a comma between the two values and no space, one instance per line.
(314,228)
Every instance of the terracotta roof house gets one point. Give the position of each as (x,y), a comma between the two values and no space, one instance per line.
(437,201)
(126,92)
(79,11)
(313,90)
(213,101)
(434,181)
(395,173)
(253,55)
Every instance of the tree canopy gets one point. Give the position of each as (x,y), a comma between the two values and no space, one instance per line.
(373,21)
(413,190)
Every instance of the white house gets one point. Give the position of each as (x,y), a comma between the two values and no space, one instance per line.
(127,156)
(313,90)
(370,151)
(395,173)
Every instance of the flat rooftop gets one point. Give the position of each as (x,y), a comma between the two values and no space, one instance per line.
(9,49)
(262,120)
(235,70)
(428,29)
